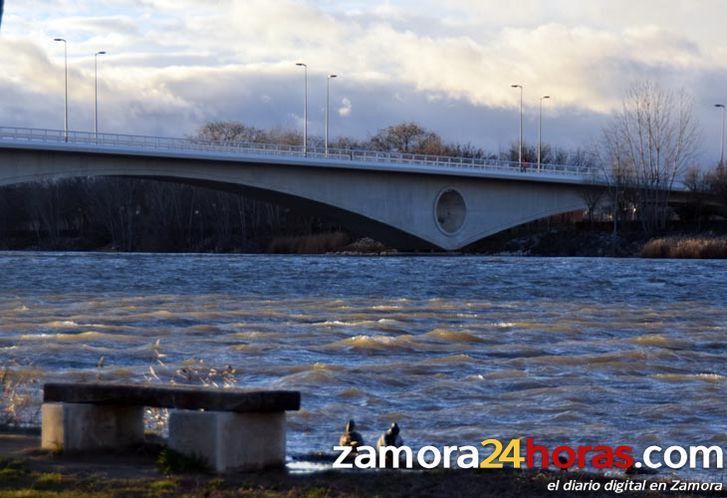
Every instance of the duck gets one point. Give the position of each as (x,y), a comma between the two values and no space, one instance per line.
(391,437)
(350,437)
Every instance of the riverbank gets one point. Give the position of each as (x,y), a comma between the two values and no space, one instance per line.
(598,240)
(26,471)
(537,239)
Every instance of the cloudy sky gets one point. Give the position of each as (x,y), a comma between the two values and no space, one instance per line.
(172,65)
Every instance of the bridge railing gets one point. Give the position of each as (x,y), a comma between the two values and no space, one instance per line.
(242,149)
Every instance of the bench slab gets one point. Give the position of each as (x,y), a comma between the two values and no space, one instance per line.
(180,397)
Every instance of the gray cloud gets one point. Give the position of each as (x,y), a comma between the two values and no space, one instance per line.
(174,64)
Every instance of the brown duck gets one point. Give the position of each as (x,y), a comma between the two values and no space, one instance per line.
(350,437)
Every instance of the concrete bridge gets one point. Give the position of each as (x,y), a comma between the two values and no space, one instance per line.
(407,201)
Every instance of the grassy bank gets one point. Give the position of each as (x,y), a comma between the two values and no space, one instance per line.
(26,471)
(686,248)
(20,478)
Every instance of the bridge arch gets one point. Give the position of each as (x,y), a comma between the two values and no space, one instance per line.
(407,209)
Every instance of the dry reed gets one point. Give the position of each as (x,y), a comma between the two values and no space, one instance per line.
(686,248)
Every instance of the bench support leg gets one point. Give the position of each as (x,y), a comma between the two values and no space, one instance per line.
(230,441)
(51,419)
(80,426)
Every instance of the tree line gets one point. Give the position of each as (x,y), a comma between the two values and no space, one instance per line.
(130,214)
(405,137)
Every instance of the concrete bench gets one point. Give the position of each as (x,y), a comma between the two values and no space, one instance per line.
(232,429)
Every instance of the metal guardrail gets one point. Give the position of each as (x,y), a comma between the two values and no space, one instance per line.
(245,149)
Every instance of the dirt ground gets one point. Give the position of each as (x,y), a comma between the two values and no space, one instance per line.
(26,471)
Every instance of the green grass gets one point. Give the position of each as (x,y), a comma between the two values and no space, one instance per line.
(172,462)
(12,470)
(48,481)
(164,485)
(12,463)
(10,474)
(34,493)
(18,480)
(317,492)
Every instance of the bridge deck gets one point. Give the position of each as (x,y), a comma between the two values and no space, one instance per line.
(192,148)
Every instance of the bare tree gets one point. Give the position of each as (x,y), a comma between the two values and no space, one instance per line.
(619,176)
(717,180)
(592,196)
(697,182)
(652,139)
(468,150)
(286,136)
(231,131)
(408,137)
(586,161)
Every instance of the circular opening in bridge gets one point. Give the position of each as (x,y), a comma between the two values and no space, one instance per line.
(450,211)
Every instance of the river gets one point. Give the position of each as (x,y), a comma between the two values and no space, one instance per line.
(456,349)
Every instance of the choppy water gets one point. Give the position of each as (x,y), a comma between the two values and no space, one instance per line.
(571,351)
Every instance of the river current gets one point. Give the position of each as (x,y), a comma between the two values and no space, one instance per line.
(456,349)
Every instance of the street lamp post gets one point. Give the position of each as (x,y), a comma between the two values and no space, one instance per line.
(328,94)
(65,56)
(540,130)
(721,154)
(305,108)
(95,90)
(520,150)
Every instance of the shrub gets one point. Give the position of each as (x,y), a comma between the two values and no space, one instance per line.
(686,248)
(173,462)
